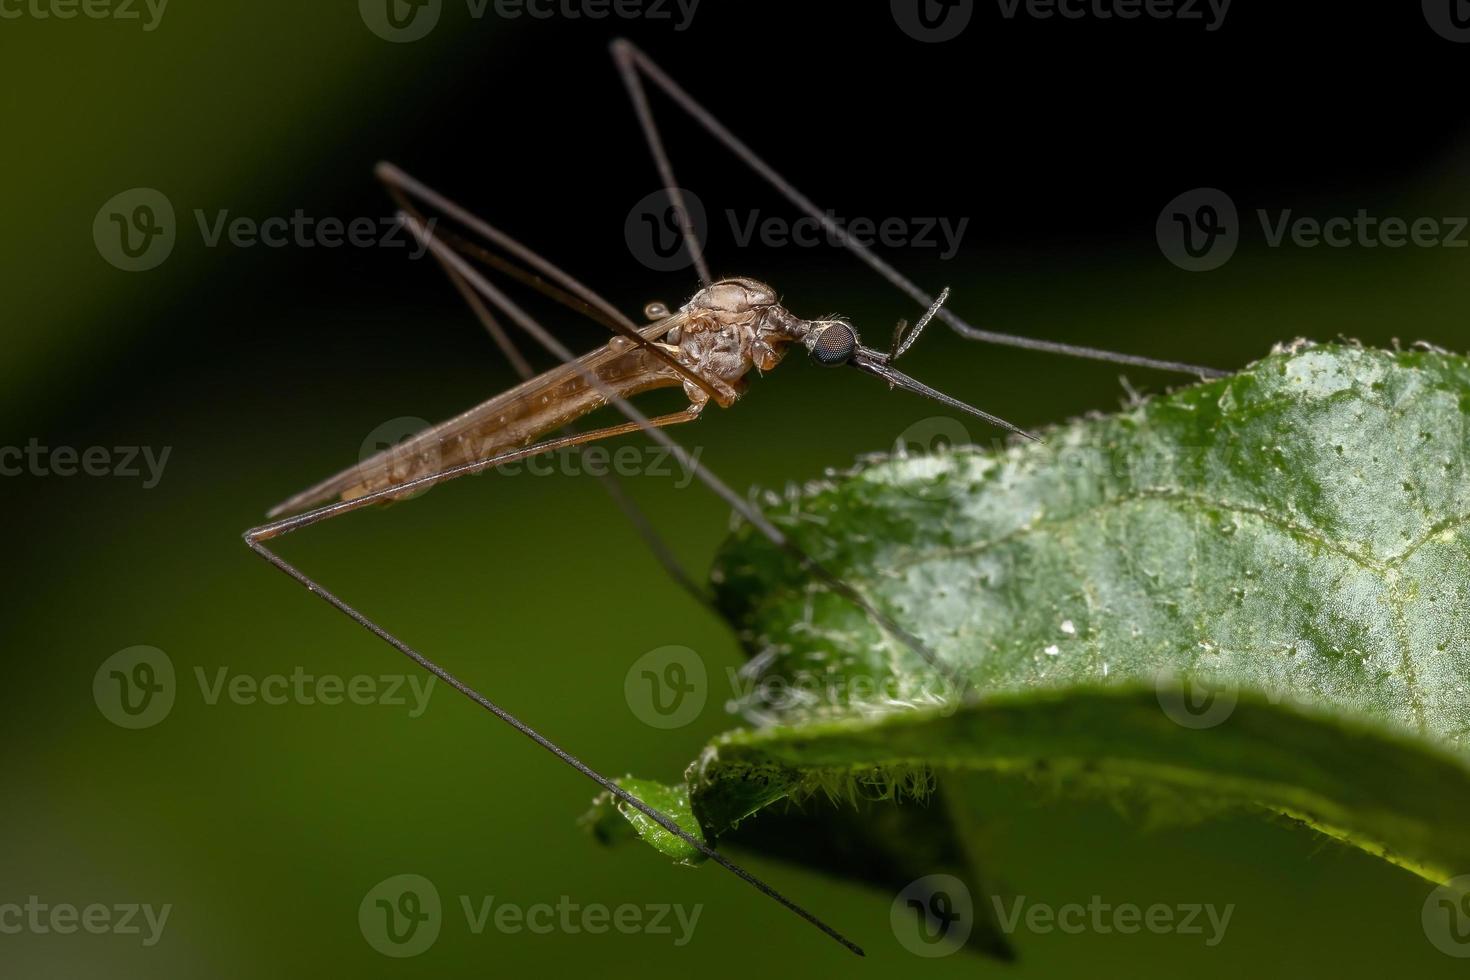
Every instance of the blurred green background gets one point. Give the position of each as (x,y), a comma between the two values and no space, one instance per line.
(262,369)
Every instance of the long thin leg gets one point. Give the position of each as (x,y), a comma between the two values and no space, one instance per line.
(655,543)
(450,257)
(631,61)
(634,84)
(741,506)
(610,315)
(257,537)
(518,362)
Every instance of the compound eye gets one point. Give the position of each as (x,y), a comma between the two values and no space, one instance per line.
(834,345)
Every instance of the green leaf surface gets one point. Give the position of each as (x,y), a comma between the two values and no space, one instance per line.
(612,819)
(1252,592)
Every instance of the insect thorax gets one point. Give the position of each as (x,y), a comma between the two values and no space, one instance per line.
(732,326)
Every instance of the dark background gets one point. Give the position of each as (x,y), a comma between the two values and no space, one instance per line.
(263,369)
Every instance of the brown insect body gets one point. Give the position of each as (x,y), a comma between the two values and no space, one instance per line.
(726,329)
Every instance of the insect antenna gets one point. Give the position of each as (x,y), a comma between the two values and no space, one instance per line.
(902,342)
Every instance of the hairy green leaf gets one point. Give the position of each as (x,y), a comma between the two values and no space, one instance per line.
(1251,592)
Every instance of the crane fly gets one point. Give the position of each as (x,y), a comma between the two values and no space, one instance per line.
(727,329)
(708,348)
